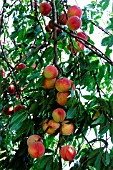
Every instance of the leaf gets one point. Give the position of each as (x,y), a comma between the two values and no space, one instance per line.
(17,121)
(100,120)
(111,131)
(106,4)
(71,113)
(98,162)
(107,158)
(97,114)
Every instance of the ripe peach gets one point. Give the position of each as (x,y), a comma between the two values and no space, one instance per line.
(49,83)
(74,11)
(63,19)
(19,107)
(74,23)
(33,138)
(36,149)
(8,110)
(62,84)
(48,128)
(82,35)
(67,127)
(50,72)
(59,115)
(48,29)
(20,66)
(53,124)
(45,8)
(62,98)
(80,46)
(68,152)
(2,72)
(11,89)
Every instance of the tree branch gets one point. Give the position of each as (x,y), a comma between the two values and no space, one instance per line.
(88,45)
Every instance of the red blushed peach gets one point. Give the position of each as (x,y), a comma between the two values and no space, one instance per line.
(36,149)
(59,115)
(62,84)
(11,89)
(68,152)
(82,35)
(67,127)
(80,46)
(74,23)
(62,98)
(49,83)
(8,110)
(2,72)
(63,19)
(50,72)
(19,107)
(47,128)
(48,29)
(20,66)
(53,124)
(45,8)
(33,138)
(74,11)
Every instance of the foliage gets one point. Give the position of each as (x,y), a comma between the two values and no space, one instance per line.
(90,107)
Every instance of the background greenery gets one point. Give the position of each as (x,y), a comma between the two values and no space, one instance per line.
(90,107)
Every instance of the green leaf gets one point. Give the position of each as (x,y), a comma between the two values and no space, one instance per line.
(100,120)
(107,158)
(111,131)
(106,4)
(71,113)
(98,163)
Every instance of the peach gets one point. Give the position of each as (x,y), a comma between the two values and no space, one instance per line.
(73,49)
(45,8)
(63,19)
(53,124)
(80,46)
(74,11)
(82,35)
(68,152)
(18,107)
(67,127)
(20,66)
(62,84)
(8,110)
(74,23)
(50,72)
(59,115)
(62,98)
(48,128)
(2,72)
(36,149)
(49,83)
(33,138)
(48,29)
(11,89)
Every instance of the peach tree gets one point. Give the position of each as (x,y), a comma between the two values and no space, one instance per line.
(56,84)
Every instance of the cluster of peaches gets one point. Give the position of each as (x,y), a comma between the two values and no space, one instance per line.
(36,148)
(71,18)
(58,122)
(8,109)
(62,85)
